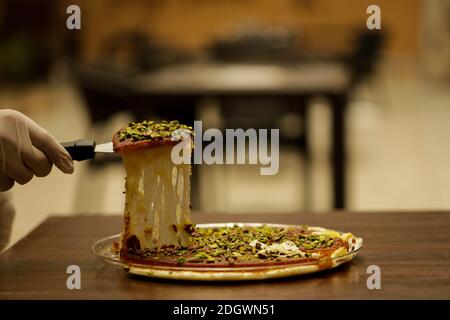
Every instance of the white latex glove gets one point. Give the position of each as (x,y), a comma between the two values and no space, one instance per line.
(26,150)
(6,219)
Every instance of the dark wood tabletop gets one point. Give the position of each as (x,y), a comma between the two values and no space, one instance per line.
(411,249)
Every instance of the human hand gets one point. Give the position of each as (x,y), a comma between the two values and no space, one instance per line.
(27,150)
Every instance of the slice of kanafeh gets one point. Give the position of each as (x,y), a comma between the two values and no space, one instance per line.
(157,203)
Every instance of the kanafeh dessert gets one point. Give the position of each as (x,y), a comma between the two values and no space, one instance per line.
(158,230)
(157,203)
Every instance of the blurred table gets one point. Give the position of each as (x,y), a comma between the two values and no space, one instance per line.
(224,79)
(180,86)
(411,248)
(296,82)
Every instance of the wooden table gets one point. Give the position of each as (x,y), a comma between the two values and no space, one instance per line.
(225,79)
(412,250)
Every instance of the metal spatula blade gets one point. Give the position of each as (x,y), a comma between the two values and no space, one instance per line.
(104,147)
(86,149)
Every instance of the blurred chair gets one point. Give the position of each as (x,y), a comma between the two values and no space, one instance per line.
(264,45)
(106,84)
(254,43)
(365,56)
(269,113)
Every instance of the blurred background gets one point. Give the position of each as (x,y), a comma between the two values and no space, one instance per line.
(364,115)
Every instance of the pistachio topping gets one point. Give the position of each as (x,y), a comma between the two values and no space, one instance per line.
(245,244)
(152,130)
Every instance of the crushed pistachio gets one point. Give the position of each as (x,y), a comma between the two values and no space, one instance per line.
(230,244)
(151,130)
(202,255)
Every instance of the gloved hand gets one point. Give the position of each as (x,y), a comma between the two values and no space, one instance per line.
(26,150)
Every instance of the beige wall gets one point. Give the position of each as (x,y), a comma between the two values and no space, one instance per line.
(192,24)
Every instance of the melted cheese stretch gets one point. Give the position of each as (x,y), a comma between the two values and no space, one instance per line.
(157,205)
